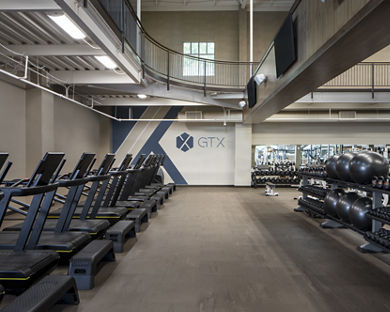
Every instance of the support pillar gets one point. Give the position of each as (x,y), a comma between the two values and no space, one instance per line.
(243,155)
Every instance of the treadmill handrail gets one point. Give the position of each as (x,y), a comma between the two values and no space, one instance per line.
(76,182)
(98,178)
(28,191)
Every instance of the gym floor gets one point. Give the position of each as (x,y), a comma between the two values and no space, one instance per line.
(234,249)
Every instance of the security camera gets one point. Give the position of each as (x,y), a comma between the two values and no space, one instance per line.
(242,104)
(260,78)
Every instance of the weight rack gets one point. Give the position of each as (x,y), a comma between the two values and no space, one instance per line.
(278,177)
(376,239)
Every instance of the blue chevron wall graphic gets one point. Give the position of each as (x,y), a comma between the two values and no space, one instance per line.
(152,145)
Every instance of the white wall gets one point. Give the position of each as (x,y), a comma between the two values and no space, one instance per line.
(228,29)
(33,122)
(13,127)
(78,130)
(205,163)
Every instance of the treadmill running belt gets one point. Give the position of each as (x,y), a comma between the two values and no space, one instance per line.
(60,242)
(24,264)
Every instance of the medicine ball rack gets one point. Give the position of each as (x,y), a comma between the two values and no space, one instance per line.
(378,239)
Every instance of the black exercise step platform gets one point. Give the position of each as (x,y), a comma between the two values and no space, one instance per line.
(43,295)
(129,204)
(167,189)
(314,191)
(120,232)
(172,186)
(159,202)
(88,261)
(163,192)
(380,214)
(139,216)
(149,204)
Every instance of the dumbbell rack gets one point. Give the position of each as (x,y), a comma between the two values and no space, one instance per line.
(277,173)
(373,245)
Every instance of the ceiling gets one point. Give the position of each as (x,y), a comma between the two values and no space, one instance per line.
(22,30)
(215,5)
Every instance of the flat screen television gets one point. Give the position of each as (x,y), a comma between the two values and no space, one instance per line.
(285,50)
(251,88)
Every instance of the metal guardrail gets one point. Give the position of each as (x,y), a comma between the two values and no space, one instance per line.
(164,64)
(167,65)
(364,75)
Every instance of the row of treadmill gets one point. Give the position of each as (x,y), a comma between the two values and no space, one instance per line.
(79,219)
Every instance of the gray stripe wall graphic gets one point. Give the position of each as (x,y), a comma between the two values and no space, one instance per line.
(197,153)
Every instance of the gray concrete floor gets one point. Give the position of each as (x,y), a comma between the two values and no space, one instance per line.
(234,249)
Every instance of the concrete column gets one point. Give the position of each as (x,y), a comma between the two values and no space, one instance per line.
(253,156)
(243,35)
(298,156)
(243,42)
(243,155)
(39,127)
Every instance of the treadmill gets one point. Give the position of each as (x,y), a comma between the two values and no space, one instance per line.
(92,207)
(167,189)
(118,178)
(138,210)
(145,187)
(3,159)
(63,242)
(127,187)
(75,182)
(22,265)
(170,186)
(132,185)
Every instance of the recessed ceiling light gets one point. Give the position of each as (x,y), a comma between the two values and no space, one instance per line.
(106,61)
(142,96)
(68,26)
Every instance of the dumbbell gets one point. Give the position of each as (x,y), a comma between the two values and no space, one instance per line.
(380,182)
(374,181)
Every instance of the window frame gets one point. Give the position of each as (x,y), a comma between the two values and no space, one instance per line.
(193,67)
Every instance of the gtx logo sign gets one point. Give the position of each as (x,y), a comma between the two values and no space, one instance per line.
(185,142)
(210,142)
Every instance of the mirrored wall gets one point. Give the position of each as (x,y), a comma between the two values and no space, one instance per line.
(307,154)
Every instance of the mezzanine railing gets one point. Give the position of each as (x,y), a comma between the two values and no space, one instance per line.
(364,75)
(164,64)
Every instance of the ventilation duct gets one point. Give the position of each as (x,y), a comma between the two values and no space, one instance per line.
(194,115)
(347,115)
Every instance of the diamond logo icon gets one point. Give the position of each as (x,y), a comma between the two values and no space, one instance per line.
(184,142)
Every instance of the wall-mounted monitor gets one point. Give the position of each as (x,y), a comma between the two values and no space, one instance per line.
(252,92)
(285,49)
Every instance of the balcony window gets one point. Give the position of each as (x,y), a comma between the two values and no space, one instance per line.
(194,67)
